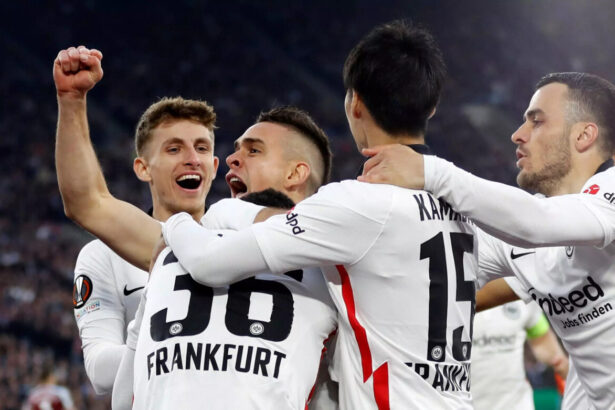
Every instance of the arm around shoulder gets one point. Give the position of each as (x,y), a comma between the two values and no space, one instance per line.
(512,214)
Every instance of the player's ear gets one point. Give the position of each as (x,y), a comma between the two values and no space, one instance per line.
(586,135)
(356,105)
(433,112)
(216,164)
(141,169)
(298,175)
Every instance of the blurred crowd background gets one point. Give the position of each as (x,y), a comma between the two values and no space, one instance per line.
(242,57)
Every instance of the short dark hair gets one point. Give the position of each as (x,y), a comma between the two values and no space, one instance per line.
(269,197)
(169,109)
(590,98)
(306,126)
(398,71)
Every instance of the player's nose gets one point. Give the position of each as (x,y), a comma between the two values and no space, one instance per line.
(234,160)
(192,158)
(520,136)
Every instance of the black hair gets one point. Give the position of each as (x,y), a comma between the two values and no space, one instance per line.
(306,126)
(590,98)
(269,197)
(398,71)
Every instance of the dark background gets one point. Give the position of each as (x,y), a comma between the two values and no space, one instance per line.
(243,57)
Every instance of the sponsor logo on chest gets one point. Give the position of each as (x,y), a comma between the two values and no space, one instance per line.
(587,298)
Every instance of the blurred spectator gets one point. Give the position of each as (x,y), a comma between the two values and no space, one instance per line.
(47,394)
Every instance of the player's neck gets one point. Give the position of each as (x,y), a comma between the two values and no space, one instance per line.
(580,172)
(376,136)
(160,213)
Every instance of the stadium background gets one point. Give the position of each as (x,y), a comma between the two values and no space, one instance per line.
(243,57)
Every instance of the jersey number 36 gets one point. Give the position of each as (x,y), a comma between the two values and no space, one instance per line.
(237,308)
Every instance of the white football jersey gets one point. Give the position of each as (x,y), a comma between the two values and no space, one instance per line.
(498,373)
(105,286)
(575,287)
(403,284)
(256,344)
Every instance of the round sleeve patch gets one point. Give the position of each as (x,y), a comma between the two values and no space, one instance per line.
(82,290)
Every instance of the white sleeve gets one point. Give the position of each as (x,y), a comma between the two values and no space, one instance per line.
(103,346)
(95,294)
(123,390)
(212,260)
(134,327)
(492,261)
(100,315)
(337,225)
(230,213)
(317,232)
(520,218)
(123,387)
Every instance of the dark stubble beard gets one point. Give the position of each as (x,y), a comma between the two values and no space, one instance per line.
(557,166)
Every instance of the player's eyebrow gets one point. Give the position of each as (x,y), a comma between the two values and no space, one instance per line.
(246,141)
(173,140)
(531,113)
(178,140)
(203,140)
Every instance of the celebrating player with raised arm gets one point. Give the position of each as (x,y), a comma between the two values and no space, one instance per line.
(107,288)
(263,335)
(565,149)
(399,264)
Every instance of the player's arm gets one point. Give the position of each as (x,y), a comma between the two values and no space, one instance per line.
(87,200)
(315,233)
(494,293)
(213,260)
(235,214)
(546,348)
(99,315)
(123,387)
(102,352)
(506,212)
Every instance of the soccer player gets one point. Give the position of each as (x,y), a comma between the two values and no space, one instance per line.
(254,335)
(498,374)
(107,288)
(565,149)
(399,264)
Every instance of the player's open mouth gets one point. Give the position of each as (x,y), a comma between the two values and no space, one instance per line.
(237,186)
(189,181)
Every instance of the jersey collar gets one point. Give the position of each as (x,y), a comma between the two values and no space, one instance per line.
(605,165)
(420,148)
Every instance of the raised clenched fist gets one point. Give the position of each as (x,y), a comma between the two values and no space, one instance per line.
(76,71)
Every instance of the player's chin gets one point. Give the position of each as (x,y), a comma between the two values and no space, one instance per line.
(191,200)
